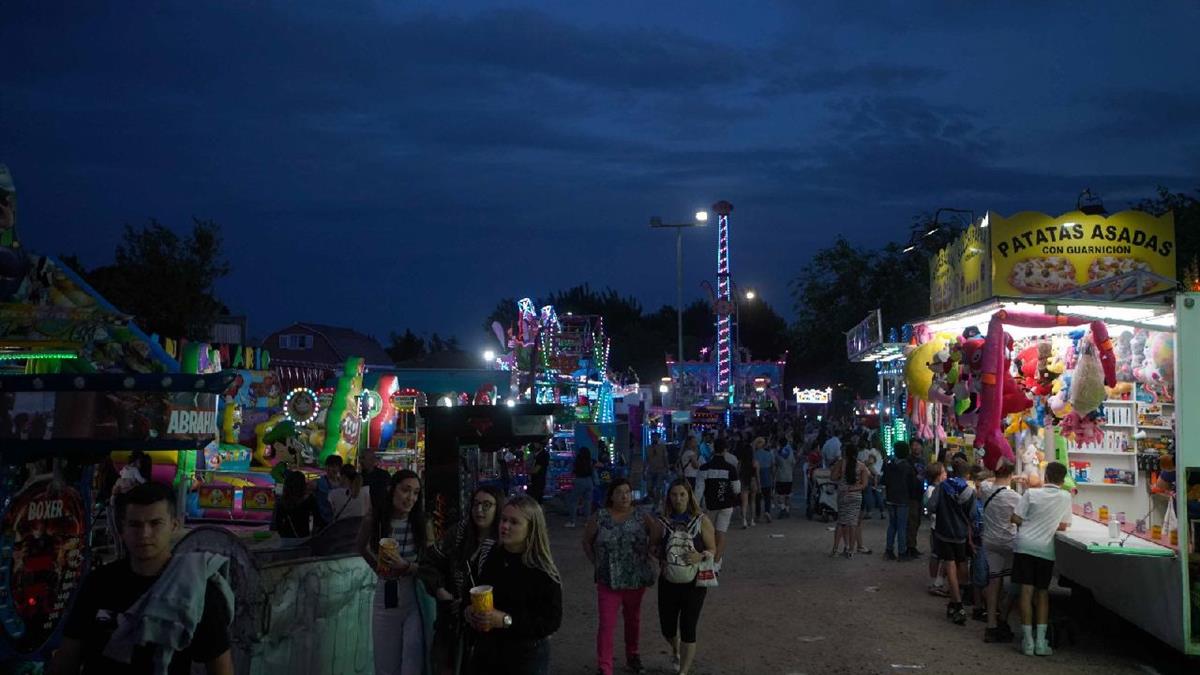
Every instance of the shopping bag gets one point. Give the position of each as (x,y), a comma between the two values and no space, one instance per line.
(706,577)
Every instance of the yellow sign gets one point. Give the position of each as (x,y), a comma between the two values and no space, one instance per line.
(1034,254)
(958,274)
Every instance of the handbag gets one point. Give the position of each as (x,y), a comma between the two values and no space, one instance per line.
(706,576)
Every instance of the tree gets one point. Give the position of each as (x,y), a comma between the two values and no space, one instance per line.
(165,281)
(1187,224)
(439,344)
(407,347)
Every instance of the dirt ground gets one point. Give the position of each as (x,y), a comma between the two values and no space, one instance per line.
(783,606)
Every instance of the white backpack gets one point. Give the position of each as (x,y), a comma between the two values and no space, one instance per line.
(677,547)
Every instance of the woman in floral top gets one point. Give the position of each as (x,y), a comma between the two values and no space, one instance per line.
(617,541)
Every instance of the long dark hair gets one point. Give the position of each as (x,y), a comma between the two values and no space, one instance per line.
(381,511)
(293,489)
(583,461)
(850,463)
(471,535)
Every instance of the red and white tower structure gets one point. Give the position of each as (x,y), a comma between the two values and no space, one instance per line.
(724,303)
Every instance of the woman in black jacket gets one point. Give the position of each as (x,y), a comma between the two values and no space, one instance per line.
(295,510)
(458,560)
(527,596)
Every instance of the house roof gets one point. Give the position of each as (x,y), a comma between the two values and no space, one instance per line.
(347,342)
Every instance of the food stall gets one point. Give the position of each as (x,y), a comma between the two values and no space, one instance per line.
(1065,339)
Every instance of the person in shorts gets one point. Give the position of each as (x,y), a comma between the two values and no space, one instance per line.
(999,533)
(718,486)
(951,503)
(1039,515)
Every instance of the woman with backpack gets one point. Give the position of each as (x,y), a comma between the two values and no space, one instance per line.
(688,538)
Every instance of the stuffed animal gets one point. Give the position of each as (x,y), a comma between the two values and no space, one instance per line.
(1124,352)
(1158,363)
(1137,353)
(1122,391)
(1085,430)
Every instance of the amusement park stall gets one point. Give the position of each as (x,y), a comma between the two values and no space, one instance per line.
(1065,339)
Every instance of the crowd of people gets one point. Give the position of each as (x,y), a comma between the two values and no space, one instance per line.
(985,527)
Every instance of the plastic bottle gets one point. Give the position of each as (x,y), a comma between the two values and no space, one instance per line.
(1104,513)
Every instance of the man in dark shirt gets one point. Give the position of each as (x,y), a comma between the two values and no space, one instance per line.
(541,465)
(148,519)
(374,476)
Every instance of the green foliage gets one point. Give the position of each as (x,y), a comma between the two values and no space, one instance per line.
(167,282)
(1187,224)
(406,347)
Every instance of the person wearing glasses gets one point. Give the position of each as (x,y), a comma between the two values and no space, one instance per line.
(458,560)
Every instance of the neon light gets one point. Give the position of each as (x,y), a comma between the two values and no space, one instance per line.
(37,356)
(289,411)
(818,396)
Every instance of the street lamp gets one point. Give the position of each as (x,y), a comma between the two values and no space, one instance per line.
(489,355)
(750,294)
(700,219)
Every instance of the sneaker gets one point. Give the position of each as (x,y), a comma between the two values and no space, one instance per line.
(939,591)
(634,664)
(1006,632)
(959,617)
(888,555)
(865,551)
(979,614)
(674,663)
(1043,649)
(1027,647)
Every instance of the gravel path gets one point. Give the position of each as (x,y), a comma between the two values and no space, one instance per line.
(785,607)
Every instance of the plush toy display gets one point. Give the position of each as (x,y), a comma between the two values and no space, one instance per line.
(997,381)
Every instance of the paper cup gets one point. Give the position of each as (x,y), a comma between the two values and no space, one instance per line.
(387,545)
(481,599)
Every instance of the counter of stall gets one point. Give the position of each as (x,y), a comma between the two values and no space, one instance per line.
(1099,387)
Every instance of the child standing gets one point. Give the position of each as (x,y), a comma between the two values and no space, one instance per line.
(951,504)
(1039,515)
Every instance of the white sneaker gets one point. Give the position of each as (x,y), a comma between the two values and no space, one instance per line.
(1043,649)
(1027,647)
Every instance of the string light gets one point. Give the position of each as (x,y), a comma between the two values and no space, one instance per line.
(289,412)
(36,356)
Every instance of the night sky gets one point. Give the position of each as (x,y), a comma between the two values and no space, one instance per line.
(407,164)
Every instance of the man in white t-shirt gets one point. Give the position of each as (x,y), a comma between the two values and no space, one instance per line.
(999,534)
(1041,513)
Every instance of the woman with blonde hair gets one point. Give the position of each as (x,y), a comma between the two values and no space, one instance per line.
(688,538)
(526,596)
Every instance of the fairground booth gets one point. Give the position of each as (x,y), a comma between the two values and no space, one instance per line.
(82,386)
(1068,339)
(867,343)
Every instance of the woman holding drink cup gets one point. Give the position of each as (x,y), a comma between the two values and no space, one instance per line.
(617,541)
(458,560)
(518,604)
(392,539)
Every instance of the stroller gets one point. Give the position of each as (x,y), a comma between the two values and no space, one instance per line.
(822,495)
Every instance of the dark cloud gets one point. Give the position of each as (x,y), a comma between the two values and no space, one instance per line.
(873,76)
(408,167)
